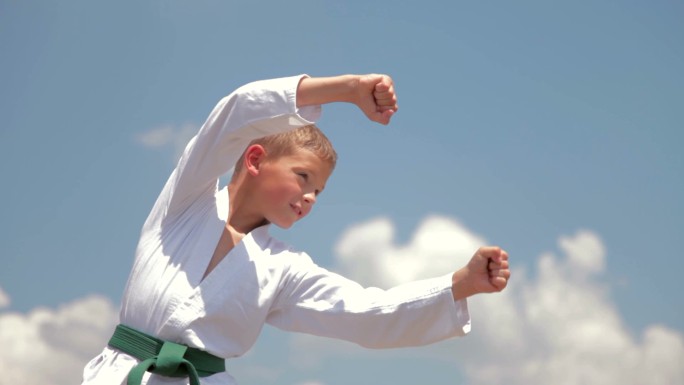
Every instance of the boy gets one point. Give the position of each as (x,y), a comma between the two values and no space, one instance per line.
(207,275)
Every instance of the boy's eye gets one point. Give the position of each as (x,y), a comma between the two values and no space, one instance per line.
(303,175)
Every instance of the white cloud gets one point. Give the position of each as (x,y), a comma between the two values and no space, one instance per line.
(368,252)
(563,328)
(51,347)
(586,253)
(309,351)
(174,138)
(560,327)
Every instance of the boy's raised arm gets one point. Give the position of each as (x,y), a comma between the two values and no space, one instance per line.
(374,94)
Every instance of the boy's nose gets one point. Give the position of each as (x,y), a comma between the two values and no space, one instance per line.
(307,204)
(310,198)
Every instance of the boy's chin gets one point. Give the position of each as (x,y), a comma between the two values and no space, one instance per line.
(284,222)
(284,225)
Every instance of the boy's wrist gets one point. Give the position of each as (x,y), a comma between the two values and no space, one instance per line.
(353,88)
(460,289)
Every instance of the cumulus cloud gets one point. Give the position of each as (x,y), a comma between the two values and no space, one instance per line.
(368,252)
(51,347)
(568,330)
(559,327)
(168,137)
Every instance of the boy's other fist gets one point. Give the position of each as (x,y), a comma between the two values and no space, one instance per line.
(486,272)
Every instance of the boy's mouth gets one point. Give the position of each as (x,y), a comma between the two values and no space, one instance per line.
(296,209)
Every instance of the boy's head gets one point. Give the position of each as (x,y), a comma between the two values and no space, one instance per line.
(283,174)
(309,138)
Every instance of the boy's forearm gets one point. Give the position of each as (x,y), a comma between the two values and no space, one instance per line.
(322,90)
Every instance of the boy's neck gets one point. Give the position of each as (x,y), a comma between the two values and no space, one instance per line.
(241,215)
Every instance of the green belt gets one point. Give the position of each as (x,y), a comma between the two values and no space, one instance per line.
(164,357)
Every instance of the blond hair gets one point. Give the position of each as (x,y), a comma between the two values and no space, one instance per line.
(308,137)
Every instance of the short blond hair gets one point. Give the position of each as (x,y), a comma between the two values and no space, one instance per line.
(308,137)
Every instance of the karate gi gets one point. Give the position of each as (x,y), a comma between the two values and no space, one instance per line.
(261,280)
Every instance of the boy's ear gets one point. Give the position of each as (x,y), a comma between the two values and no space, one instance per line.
(254,157)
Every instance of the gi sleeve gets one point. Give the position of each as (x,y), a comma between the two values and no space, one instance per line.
(326,304)
(254,110)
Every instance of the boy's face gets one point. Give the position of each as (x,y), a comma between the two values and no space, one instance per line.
(289,185)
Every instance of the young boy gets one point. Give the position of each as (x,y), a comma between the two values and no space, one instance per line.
(207,275)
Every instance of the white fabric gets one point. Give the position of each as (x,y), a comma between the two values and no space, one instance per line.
(261,280)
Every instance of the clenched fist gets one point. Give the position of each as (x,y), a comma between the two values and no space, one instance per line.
(486,272)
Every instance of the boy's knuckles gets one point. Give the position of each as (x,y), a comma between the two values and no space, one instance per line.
(385,101)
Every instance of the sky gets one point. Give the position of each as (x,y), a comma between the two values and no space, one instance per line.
(550,129)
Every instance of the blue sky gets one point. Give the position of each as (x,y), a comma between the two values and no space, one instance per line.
(526,124)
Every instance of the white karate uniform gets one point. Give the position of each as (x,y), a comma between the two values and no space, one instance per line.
(261,280)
